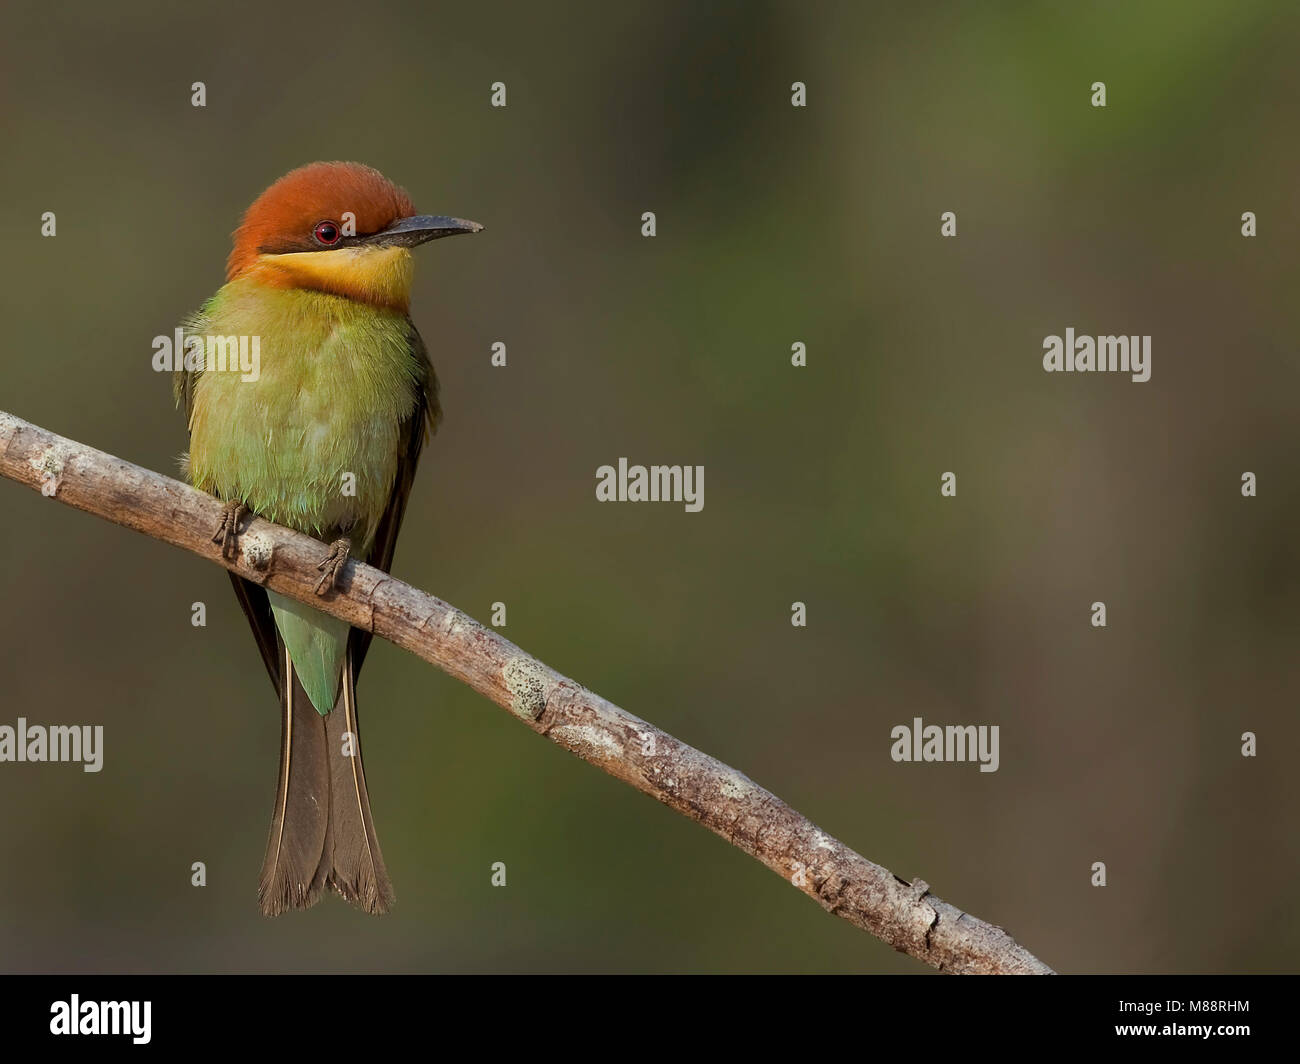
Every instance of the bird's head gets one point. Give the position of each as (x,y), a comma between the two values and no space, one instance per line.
(341,228)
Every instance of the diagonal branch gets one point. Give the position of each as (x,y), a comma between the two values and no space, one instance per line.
(907,916)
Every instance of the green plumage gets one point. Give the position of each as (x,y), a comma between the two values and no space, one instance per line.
(316,643)
(315,442)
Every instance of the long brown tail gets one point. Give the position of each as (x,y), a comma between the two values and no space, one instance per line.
(322,833)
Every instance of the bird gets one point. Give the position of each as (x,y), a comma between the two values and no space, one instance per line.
(323,436)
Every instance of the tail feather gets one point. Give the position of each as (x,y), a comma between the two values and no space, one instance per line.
(291,876)
(357,869)
(322,833)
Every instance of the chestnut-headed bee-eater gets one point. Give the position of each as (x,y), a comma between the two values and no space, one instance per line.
(323,438)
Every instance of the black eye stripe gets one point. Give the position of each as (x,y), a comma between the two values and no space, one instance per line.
(311,240)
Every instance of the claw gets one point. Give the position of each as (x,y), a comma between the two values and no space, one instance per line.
(228,534)
(333,564)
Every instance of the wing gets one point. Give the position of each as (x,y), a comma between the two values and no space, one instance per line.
(422,423)
(184,380)
(256,606)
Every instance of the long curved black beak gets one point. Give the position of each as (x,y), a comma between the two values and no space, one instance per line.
(419,229)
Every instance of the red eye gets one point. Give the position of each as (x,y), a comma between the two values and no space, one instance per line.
(326,233)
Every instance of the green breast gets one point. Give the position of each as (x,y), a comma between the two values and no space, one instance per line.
(313,442)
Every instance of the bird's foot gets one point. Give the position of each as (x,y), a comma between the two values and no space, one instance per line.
(228,534)
(340,550)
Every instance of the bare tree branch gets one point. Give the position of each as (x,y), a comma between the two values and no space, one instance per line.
(907,916)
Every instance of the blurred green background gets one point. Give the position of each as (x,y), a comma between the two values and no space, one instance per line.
(775,225)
